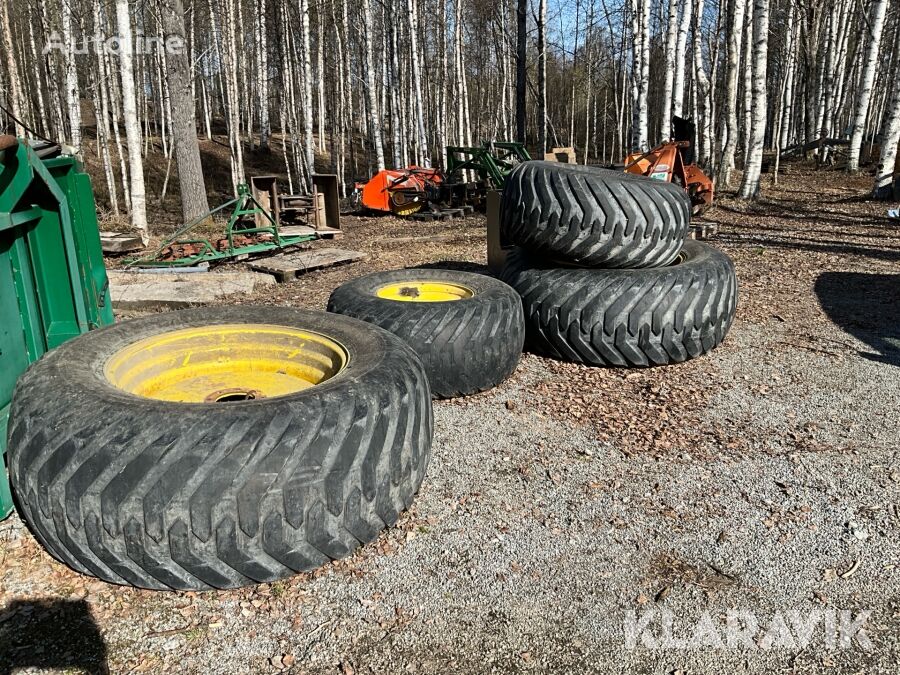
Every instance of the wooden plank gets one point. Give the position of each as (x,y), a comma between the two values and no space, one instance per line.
(297,230)
(287,266)
(118,242)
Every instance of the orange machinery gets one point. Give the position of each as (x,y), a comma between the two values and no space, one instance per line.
(673,161)
(400,191)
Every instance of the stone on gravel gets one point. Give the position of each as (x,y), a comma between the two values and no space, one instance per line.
(133,290)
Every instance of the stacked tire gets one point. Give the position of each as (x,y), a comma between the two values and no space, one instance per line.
(604,270)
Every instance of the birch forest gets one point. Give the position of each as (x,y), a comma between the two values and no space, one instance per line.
(350,87)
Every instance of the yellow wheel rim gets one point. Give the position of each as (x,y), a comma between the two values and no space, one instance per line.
(424,291)
(225,363)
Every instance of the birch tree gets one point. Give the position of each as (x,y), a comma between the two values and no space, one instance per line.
(73,92)
(701,92)
(735,40)
(640,31)
(681,58)
(542,75)
(521,68)
(867,80)
(130,118)
(665,126)
(885,187)
(421,145)
(753,164)
(15,87)
(306,82)
(371,94)
(262,75)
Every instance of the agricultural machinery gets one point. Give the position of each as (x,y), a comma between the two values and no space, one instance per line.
(470,173)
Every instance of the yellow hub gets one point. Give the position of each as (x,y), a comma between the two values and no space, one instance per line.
(225,363)
(424,291)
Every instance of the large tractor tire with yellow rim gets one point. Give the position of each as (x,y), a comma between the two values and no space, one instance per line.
(467,328)
(218,447)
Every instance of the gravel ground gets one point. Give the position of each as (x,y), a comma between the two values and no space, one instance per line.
(569,501)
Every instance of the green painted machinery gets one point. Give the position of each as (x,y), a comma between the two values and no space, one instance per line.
(53,284)
(490,162)
(195,249)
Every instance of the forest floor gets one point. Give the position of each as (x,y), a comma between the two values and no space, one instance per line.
(570,502)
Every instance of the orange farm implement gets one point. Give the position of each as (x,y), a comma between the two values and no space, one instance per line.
(673,161)
(405,192)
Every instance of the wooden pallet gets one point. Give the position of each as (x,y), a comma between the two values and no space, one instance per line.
(296,230)
(288,266)
(120,242)
(443,214)
(703,230)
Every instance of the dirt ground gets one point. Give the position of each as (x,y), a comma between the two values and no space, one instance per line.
(571,504)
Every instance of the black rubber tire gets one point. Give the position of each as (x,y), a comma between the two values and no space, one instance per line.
(627,317)
(163,495)
(466,345)
(593,217)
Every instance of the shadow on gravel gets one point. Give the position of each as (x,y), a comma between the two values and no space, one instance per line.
(868,307)
(455,265)
(50,634)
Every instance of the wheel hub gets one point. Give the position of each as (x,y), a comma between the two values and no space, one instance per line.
(225,363)
(424,291)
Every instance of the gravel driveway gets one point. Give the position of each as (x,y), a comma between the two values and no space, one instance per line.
(576,519)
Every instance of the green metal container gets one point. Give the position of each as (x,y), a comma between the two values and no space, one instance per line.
(53,283)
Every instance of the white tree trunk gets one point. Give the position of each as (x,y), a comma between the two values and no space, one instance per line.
(644,102)
(306,78)
(753,165)
(421,139)
(665,127)
(701,93)
(130,118)
(15,86)
(680,58)
(320,78)
(232,89)
(36,64)
(371,95)
(265,127)
(748,79)
(735,40)
(542,75)
(872,43)
(73,93)
(338,144)
(787,106)
(884,187)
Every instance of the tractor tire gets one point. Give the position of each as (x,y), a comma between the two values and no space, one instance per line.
(628,318)
(593,217)
(124,471)
(467,328)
